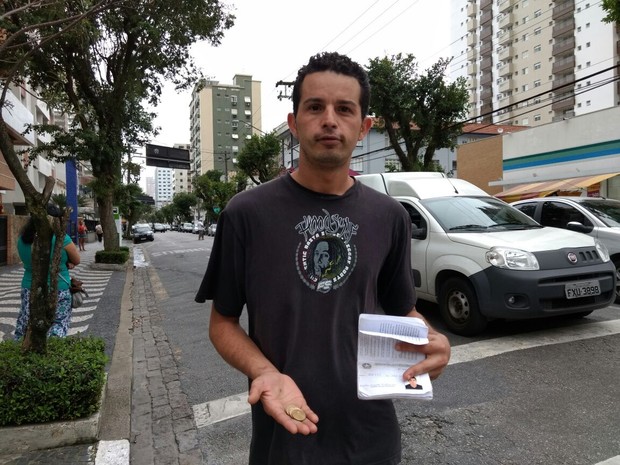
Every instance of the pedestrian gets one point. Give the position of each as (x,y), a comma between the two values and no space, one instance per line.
(306,254)
(99,232)
(82,234)
(201,233)
(69,258)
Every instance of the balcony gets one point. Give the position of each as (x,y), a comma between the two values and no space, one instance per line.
(472,25)
(472,69)
(505,21)
(504,85)
(564,104)
(564,28)
(563,65)
(17,116)
(504,53)
(563,10)
(486,79)
(472,10)
(560,84)
(472,39)
(504,5)
(561,47)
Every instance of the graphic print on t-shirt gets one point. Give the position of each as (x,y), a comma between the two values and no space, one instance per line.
(325,257)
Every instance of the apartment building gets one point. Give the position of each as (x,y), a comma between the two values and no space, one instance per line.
(163,187)
(181,179)
(222,118)
(532,62)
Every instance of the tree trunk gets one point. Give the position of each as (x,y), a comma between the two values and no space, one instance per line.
(110,235)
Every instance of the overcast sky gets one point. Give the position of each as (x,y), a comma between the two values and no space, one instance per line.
(271,39)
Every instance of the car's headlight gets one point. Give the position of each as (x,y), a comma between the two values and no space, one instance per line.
(602,250)
(512,259)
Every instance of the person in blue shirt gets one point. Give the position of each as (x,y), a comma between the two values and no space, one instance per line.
(70,257)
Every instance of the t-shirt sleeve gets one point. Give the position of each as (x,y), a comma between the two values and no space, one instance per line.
(224,279)
(396,288)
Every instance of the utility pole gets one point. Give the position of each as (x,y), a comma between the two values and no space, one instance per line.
(287,93)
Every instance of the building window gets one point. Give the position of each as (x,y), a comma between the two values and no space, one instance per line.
(524,71)
(235,136)
(537,83)
(537,31)
(537,65)
(233,112)
(537,117)
(537,48)
(587,44)
(537,13)
(234,124)
(248,101)
(525,88)
(233,99)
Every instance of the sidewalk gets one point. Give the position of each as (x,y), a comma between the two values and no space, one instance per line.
(145,417)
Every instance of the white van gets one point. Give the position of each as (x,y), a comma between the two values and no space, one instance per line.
(480,258)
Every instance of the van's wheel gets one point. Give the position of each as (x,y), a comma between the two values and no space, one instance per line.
(617,265)
(459,307)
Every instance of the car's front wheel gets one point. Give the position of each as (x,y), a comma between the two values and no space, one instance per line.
(459,308)
(617,265)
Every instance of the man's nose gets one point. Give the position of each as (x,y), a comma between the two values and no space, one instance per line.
(329,116)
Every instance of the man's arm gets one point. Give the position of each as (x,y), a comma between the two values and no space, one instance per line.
(275,390)
(437,352)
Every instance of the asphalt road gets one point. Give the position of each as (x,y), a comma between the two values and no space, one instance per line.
(536,392)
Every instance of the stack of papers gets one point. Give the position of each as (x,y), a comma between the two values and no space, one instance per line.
(380,366)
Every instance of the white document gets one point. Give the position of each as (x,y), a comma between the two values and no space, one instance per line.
(380,366)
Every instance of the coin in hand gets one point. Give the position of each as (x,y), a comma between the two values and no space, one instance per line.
(295,413)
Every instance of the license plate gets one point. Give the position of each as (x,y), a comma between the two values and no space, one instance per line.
(582,289)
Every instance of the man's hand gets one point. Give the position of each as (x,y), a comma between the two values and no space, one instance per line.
(277,392)
(437,352)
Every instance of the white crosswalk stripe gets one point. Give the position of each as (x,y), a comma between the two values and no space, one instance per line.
(95,283)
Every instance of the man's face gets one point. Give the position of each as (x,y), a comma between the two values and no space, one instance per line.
(329,122)
(321,255)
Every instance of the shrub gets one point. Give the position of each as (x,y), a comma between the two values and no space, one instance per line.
(64,384)
(114,256)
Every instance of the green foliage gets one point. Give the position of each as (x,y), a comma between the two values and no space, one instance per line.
(183,203)
(418,112)
(213,192)
(612,7)
(64,384)
(119,257)
(259,159)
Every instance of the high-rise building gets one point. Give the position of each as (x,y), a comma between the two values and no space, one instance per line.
(222,118)
(531,62)
(163,187)
(181,179)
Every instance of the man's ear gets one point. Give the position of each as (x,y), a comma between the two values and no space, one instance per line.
(366,125)
(292,124)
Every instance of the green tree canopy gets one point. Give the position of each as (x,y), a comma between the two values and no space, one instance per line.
(416,111)
(259,159)
(106,72)
(612,7)
(213,193)
(183,203)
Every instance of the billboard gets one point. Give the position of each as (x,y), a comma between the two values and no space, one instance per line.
(167,157)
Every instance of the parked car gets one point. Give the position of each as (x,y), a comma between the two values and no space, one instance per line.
(479,258)
(595,216)
(142,232)
(187,227)
(158,227)
(211,229)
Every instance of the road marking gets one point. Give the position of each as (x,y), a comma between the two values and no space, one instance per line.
(209,413)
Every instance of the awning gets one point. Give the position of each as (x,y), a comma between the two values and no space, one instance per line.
(558,186)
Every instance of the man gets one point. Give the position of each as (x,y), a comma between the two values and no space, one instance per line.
(300,353)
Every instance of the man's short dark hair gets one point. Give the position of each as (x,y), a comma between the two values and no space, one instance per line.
(341,64)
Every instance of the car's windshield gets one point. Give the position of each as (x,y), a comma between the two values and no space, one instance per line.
(608,211)
(475,214)
(142,229)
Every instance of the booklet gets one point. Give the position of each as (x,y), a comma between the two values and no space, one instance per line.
(380,366)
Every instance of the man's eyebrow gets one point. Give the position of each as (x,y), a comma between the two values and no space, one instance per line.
(320,100)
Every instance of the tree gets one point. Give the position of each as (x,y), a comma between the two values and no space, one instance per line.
(612,7)
(26,28)
(416,111)
(259,158)
(183,203)
(213,193)
(129,206)
(106,71)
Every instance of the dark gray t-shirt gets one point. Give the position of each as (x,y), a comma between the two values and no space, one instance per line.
(306,265)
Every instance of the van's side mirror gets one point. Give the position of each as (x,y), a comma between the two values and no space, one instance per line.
(578,227)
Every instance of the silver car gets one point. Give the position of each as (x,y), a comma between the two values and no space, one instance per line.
(595,216)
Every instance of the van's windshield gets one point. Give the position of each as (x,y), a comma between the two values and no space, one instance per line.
(475,214)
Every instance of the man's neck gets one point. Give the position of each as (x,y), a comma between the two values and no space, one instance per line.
(335,182)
